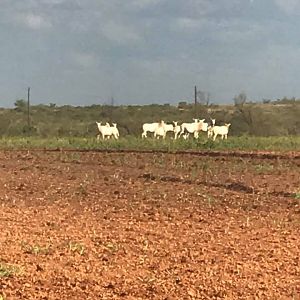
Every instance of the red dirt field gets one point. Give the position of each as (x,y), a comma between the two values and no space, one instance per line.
(148,226)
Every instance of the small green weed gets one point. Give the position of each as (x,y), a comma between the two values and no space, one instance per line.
(210,200)
(112,247)
(194,173)
(82,190)
(2,297)
(76,248)
(264,168)
(7,270)
(35,249)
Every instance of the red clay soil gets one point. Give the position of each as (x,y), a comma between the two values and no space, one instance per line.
(148,226)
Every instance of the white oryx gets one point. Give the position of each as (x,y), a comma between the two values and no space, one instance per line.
(202,126)
(194,128)
(160,130)
(168,127)
(107,131)
(189,127)
(104,130)
(177,129)
(221,130)
(115,131)
(210,128)
(149,127)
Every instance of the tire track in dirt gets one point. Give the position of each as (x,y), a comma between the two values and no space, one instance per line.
(233,186)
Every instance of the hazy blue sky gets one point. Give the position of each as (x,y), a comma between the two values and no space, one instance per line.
(148,51)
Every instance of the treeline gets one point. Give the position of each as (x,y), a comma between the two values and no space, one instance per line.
(275,118)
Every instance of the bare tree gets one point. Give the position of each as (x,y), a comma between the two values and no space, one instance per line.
(247,112)
(207,99)
(204,97)
(240,99)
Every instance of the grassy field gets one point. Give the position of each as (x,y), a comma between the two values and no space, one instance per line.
(289,143)
(254,119)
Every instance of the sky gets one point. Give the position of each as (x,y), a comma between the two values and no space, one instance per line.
(83,52)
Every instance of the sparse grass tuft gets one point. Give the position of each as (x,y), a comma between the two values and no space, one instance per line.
(210,200)
(112,247)
(82,190)
(264,168)
(35,249)
(2,297)
(7,270)
(76,248)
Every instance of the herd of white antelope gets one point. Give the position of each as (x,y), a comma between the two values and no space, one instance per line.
(160,129)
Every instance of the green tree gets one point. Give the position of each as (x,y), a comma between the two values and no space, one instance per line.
(20,105)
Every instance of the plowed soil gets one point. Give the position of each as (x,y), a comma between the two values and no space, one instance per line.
(148,226)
